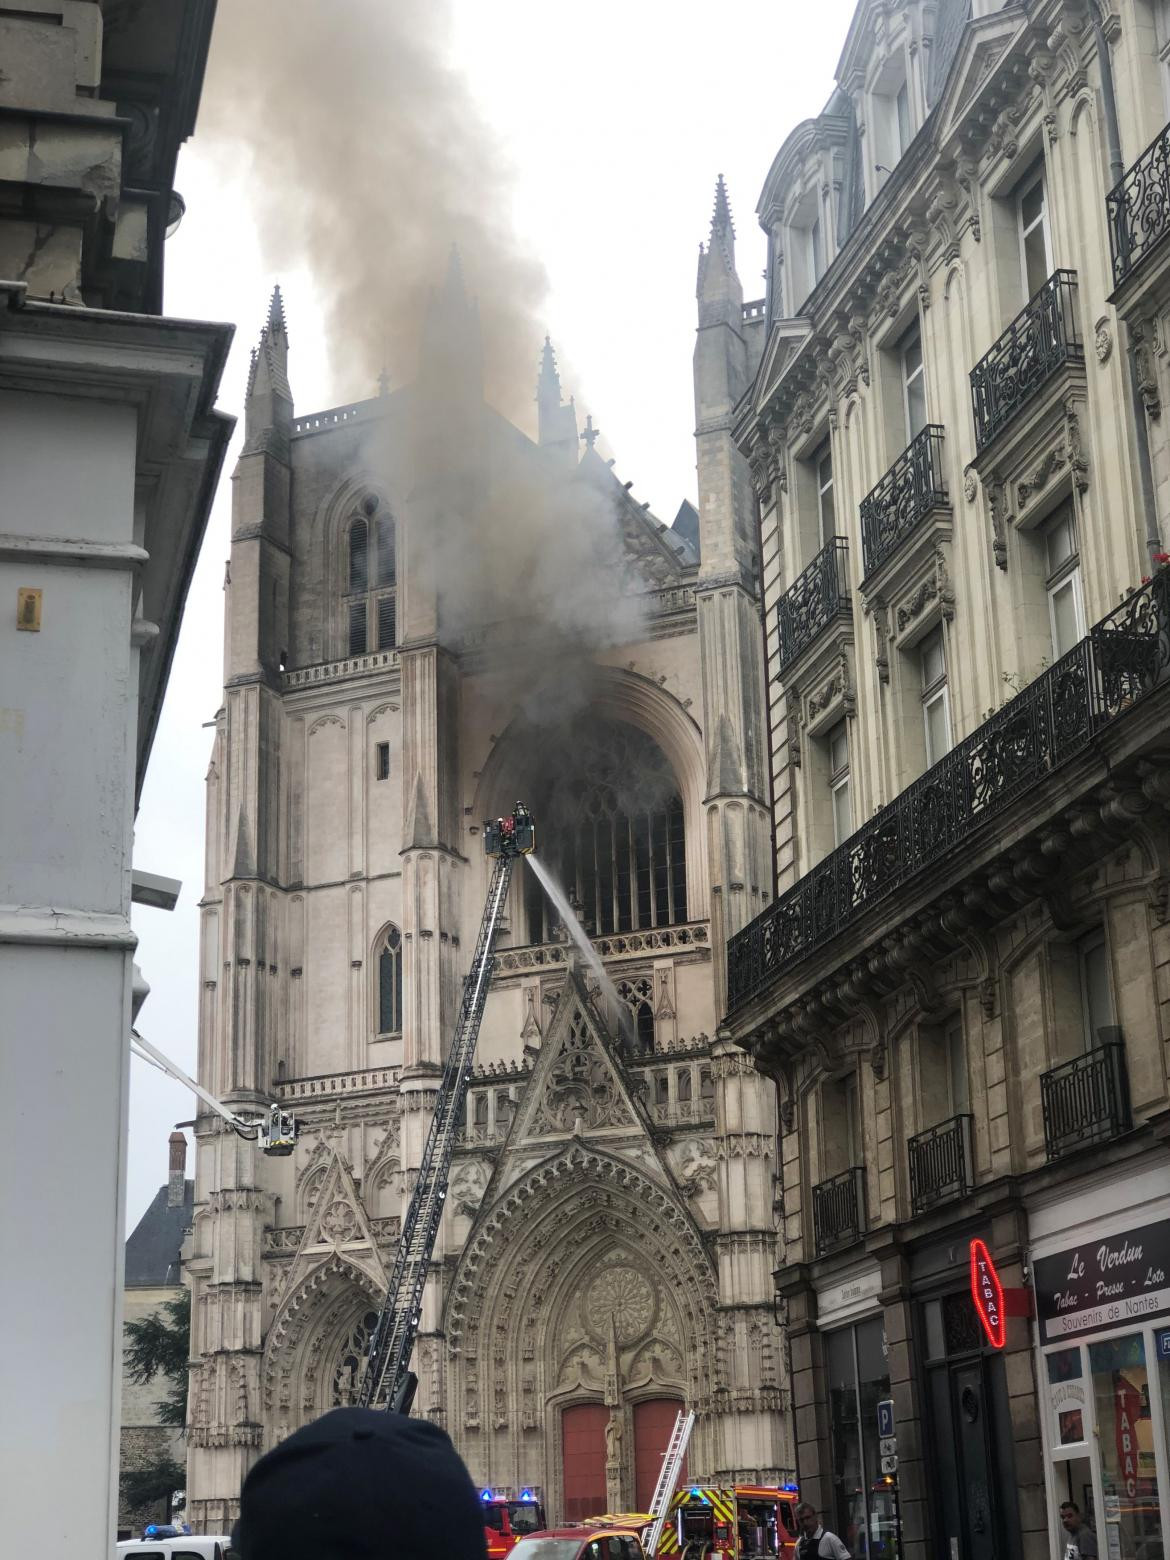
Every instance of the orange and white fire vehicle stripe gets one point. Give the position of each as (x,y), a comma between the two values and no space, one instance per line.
(721,1502)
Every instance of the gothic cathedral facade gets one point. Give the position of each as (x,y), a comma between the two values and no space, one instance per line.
(610,1234)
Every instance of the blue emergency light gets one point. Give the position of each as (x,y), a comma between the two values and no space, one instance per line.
(525,1494)
(486,1495)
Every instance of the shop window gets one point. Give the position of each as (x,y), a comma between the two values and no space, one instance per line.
(1066,614)
(1126,1445)
(936,704)
(858,1378)
(1035,242)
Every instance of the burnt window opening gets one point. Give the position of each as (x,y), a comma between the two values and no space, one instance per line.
(613,831)
(389,967)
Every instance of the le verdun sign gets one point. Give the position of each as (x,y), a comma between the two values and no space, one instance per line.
(1104,1283)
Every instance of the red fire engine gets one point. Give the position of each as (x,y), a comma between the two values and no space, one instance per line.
(747,1520)
(506,1520)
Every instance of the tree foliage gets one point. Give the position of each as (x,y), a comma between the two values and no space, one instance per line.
(143,1488)
(160,1345)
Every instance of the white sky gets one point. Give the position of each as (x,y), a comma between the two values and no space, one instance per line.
(616,117)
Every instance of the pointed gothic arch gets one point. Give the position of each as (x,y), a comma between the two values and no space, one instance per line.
(582,1237)
(386,965)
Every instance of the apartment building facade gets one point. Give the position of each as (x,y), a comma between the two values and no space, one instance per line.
(957,443)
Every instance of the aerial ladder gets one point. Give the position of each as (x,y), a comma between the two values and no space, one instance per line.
(275,1132)
(388,1382)
(672,1463)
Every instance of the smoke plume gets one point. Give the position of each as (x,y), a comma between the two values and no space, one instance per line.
(369,161)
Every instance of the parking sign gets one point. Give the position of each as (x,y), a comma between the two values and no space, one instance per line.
(885,1417)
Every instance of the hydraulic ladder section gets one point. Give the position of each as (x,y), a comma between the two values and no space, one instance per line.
(388,1380)
(668,1479)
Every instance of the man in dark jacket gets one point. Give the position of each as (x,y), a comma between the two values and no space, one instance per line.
(358,1484)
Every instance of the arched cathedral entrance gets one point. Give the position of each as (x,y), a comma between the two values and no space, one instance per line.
(578,1321)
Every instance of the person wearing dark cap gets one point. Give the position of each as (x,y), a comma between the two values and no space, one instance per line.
(361,1484)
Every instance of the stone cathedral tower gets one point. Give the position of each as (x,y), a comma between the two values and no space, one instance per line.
(610,1231)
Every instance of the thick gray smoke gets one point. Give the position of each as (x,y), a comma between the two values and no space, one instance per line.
(369,161)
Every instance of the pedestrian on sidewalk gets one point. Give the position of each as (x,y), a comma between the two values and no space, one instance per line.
(816,1542)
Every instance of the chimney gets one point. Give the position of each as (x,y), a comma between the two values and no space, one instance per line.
(177,1173)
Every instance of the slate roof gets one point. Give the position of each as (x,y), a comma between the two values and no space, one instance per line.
(152,1251)
(953,16)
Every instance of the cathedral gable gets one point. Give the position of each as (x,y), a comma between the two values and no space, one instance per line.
(338,1225)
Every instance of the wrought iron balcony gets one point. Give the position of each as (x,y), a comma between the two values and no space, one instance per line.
(1086,1101)
(815,599)
(1138,208)
(940,1163)
(1044,335)
(838,1208)
(1123,658)
(909,491)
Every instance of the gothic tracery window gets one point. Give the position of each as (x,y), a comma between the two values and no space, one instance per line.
(613,832)
(347,1377)
(371,575)
(388,964)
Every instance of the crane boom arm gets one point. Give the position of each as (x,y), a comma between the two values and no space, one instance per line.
(387,1381)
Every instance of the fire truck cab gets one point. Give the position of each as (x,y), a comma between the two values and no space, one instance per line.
(505,1520)
(744,1522)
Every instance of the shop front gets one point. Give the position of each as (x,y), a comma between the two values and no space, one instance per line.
(1101,1275)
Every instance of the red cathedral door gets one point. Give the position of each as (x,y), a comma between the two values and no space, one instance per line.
(653,1423)
(583,1459)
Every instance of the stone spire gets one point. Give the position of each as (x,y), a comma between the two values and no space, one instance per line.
(717,274)
(268,402)
(556,423)
(451,352)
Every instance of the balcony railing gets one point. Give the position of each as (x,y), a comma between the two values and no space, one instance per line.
(913,486)
(940,1163)
(1044,335)
(1123,658)
(814,600)
(1138,208)
(838,1207)
(1086,1101)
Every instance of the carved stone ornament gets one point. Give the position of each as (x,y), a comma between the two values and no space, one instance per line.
(1102,340)
(625,1295)
(824,696)
(1068,452)
(1147,374)
(970,485)
(917,602)
(582,1088)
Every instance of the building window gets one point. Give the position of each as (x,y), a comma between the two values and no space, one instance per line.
(644,1027)
(816,249)
(389,967)
(958,1087)
(1066,617)
(370,591)
(382,761)
(837,748)
(1096,990)
(662,1089)
(936,711)
(913,383)
(826,513)
(706,1086)
(683,1085)
(858,1378)
(902,118)
(1035,245)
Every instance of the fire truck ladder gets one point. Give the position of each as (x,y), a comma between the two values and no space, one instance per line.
(668,1479)
(388,1380)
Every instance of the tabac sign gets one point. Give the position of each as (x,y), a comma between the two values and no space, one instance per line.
(987,1293)
(1104,1283)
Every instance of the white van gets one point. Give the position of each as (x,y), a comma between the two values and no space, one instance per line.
(189,1546)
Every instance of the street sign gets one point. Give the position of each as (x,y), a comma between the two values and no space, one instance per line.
(885,1417)
(889,1465)
(987,1293)
(888,1445)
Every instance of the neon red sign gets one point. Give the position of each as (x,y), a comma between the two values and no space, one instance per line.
(987,1293)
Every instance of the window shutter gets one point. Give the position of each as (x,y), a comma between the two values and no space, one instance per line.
(357,628)
(386,624)
(384,547)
